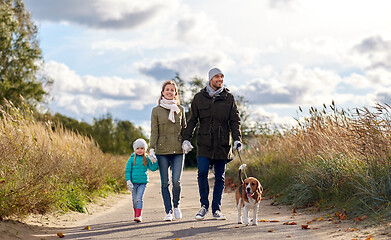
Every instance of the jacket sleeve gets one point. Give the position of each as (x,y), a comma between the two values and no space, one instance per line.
(128,169)
(192,122)
(154,130)
(152,166)
(234,122)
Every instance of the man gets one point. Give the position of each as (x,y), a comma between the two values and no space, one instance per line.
(214,108)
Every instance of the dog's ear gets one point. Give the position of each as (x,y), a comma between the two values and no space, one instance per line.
(260,188)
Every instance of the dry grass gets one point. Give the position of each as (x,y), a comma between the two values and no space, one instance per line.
(331,158)
(42,169)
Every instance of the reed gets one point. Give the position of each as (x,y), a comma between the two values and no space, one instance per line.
(42,169)
(331,158)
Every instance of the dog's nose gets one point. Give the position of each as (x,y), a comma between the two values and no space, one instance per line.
(248,189)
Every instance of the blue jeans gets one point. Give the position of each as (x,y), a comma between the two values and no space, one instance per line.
(176,163)
(203,185)
(137,195)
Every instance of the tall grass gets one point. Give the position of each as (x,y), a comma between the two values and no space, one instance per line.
(332,157)
(42,169)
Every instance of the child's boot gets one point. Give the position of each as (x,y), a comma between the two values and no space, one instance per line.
(138,217)
(135,214)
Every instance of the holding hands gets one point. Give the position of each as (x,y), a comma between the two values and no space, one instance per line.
(152,155)
(186,146)
(238,145)
(130,185)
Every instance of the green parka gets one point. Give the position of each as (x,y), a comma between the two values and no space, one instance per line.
(219,121)
(166,136)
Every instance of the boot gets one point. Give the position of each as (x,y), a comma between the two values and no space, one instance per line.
(138,217)
(135,213)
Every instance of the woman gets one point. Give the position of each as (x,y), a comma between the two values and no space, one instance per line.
(167,122)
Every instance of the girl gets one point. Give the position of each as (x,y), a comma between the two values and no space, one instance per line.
(167,122)
(136,174)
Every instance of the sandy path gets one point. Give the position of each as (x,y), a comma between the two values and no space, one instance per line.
(113,219)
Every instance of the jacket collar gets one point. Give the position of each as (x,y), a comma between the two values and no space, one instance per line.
(223,94)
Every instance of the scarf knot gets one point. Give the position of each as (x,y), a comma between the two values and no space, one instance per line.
(172,106)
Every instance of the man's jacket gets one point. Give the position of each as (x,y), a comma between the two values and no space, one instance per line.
(219,123)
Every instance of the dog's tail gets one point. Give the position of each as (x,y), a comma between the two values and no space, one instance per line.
(240,172)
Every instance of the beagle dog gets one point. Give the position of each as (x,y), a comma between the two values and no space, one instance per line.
(248,196)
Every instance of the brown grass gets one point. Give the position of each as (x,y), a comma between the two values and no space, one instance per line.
(42,169)
(331,157)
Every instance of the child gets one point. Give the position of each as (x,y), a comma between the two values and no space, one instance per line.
(136,174)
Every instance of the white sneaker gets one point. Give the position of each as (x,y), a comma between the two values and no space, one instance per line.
(177,213)
(169,216)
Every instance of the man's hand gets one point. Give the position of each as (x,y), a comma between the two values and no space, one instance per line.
(130,185)
(238,145)
(186,146)
(152,155)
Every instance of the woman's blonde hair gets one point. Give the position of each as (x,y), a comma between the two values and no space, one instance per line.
(176,91)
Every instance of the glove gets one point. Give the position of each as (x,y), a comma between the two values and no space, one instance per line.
(186,146)
(130,185)
(152,155)
(238,145)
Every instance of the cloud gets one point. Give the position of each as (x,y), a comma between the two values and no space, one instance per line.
(377,52)
(188,66)
(97,95)
(384,96)
(281,3)
(295,85)
(198,29)
(100,14)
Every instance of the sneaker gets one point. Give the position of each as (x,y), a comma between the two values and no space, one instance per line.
(177,213)
(218,215)
(169,216)
(201,213)
(138,219)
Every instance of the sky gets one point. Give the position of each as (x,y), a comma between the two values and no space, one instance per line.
(112,56)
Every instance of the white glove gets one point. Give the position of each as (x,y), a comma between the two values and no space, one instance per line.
(152,155)
(186,146)
(130,185)
(238,145)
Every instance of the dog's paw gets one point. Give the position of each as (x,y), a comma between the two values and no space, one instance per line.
(240,222)
(255,224)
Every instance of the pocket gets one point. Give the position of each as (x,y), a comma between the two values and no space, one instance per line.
(161,142)
(204,140)
(204,111)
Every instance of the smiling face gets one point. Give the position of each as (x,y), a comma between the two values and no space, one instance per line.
(217,81)
(169,92)
(140,151)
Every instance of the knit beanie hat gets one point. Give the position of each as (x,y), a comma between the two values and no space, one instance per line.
(140,143)
(213,72)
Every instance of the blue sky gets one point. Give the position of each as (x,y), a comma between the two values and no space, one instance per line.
(111,56)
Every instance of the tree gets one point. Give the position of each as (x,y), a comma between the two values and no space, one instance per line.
(103,133)
(126,133)
(20,55)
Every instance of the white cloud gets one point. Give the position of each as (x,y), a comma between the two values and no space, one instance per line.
(93,95)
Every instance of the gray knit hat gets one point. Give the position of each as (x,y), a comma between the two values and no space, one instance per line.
(213,72)
(140,143)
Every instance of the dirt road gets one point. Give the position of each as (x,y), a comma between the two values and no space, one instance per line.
(116,221)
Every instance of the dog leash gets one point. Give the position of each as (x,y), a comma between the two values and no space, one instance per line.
(241,163)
